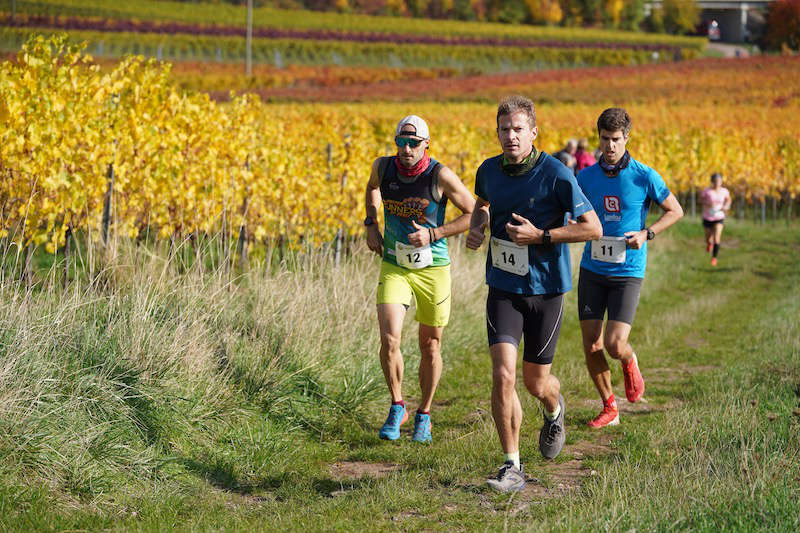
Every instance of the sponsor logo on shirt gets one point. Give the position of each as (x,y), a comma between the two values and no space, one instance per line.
(408,208)
(612,218)
(611,203)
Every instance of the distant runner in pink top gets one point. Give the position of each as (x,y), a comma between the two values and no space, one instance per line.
(583,156)
(716,200)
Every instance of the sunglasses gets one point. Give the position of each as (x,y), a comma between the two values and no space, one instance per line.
(402,141)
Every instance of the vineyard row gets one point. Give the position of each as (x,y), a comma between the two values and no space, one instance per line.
(231,15)
(281,52)
(172,28)
(184,163)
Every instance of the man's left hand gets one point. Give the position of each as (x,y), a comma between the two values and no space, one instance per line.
(523,232)
(636,239)
(421,237)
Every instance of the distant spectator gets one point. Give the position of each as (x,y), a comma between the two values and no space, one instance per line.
(583,157)
(567,155)
(569,161)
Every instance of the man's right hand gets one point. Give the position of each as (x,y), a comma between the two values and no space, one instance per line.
(476,236)
(375,239)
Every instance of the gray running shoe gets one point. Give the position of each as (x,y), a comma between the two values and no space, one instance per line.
(553,434)
(509,478)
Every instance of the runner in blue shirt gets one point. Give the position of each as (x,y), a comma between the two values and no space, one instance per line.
(525,197)
(621,190)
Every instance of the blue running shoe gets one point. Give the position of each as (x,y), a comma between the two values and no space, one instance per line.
(391,428)
(422,428)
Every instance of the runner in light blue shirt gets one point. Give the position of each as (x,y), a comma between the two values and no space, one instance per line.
(621,190)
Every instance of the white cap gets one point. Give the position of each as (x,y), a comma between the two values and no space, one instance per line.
(419,126)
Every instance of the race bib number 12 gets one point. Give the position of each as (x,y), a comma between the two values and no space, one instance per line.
(609,249)
(413,258)
(509,257)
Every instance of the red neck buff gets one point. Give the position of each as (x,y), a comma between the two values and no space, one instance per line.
(416,170)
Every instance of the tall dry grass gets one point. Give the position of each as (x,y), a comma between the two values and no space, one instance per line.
(147,359)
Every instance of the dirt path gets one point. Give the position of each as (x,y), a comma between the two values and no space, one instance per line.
(729,50)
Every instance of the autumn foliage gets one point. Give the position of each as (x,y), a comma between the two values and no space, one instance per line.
(184,163)
(783,25)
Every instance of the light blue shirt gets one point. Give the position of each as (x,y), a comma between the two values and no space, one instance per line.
(621,202)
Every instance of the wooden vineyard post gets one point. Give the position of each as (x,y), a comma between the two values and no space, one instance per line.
(27,273)
(67,246)
(329,150)
(342,185)
(249,39)
(241,245)
(774,208)
(763,209)
(107,199)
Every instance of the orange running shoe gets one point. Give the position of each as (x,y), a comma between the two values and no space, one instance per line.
(709,247)
(713,261)
(609,416)
(634,382)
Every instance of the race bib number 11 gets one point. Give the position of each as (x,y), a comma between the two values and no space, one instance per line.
(509,257)
(609,249)
(413,258)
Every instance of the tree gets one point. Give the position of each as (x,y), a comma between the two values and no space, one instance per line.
(679,16)
(632,15)
(544,11)
(783,25)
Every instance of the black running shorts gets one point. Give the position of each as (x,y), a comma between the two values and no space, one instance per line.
(618,294)
(712,223)
(509,316)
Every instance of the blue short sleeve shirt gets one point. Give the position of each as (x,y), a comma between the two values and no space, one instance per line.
(547,195)
(621,203)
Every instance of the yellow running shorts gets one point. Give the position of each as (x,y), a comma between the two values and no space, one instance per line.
(429,287)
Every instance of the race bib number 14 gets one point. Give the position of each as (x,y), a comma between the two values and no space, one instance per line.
(509,257)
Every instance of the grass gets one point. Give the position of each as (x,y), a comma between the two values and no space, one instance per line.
(185,401)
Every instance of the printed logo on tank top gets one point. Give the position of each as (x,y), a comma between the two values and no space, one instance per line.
(613,207)
(408,208)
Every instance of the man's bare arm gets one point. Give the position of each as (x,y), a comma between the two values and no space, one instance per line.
(477,224)
(455,190)
(372,201)
(672,213)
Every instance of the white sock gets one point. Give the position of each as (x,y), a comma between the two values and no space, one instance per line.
(554,414)
(514,458)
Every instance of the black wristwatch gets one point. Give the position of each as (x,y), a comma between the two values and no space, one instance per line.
(369,221)
(546,237)
(650,234)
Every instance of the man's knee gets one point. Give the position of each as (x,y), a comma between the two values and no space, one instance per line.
(430,347)
(616,347)
(591,346)
(537,386)
(503,377)
(390,343)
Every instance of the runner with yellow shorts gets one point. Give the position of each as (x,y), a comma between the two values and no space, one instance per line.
(414,190)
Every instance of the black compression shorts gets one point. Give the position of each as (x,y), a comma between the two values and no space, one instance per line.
(618,294)
(509,316)
(712,223)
